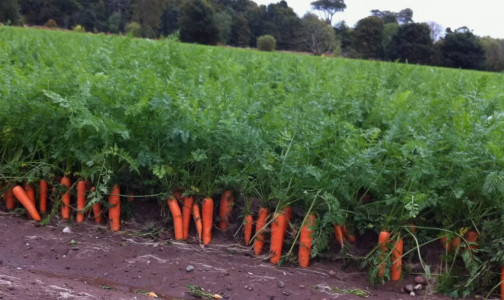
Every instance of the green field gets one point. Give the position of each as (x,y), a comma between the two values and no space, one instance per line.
(373,145)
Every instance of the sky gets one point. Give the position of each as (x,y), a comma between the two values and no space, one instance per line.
(483,17)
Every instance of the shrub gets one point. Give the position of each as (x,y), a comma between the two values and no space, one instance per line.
(133,29)
(79,28)
(266,43)
(51,23)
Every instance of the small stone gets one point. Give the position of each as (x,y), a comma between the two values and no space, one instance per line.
(177,263)
(301,286)
(189,268)
(332,273)
(420,280)
(281,284)
(408,288)
(67,230)
(249,288)
(418,287)
(285,293)
(412,294)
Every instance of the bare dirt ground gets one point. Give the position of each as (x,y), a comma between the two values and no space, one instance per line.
(91,262)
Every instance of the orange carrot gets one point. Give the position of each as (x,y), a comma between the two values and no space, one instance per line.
(207,211)
(197,220)
(43,196)
(81,200)
(348,234)
(115,208)
(472,237)
(10,200)
(395,272)
(277,237)
(456,242)
(186,216)
(502,283)
(226,207)
(447,245)
(177,194)
(97,209)
(383,240)
(338,232)
(65,200)
(260,224)
(177,218)
(30,192)
(25,200)
(305,241)
(248,221)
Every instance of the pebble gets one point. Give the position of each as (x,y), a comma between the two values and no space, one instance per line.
(281,284)
(420,280)
(409,288)
(332,273)
(412,294)
(67,230)
(250,288)
(418,287)
(189,268)
(286,293)
(301,286)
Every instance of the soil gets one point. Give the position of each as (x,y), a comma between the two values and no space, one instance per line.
(91,262)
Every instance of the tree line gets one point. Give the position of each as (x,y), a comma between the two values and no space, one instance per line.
(384,35)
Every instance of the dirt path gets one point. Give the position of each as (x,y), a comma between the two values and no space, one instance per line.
(93,263)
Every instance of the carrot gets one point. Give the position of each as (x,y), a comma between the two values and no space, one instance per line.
(397,261)
(207,211)
(472,237)
(43,196)
(260,224)
(197,220)
(177,217)
(413,228)
(30,192)
(348,234)
(456,242)
(447,245)
(177,194)
(97,209)
(338,232)
(115,208)
(226,207)
(287,211)
(248,221)
(383,240)
(502,283)
(277,237)
(81,200)
(10,200)
(305,241)
(186,216)
(65,200)
(25,200)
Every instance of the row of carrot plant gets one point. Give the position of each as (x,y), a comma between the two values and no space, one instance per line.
(363,146)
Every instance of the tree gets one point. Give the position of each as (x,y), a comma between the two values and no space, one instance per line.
(224,21)
(412,43)
(240,32)
(344,36)
(197,23)
(148,14)
(436,31)
(405,16)
(9,11)
(318,36)
(282,23)
(367,36)
(385,15)
(494,54)
(389,31)
(329,8)
(461,49)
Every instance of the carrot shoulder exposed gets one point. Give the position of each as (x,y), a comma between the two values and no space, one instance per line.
(207,212)
(115,208)
(305,241)
(65,199)
(25,200)
(260,228)
(177,218)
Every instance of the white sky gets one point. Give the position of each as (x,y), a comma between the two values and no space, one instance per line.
(483,17)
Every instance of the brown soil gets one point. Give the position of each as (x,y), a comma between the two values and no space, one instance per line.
(42,262)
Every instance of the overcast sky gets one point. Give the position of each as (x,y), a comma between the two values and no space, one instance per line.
(483,17)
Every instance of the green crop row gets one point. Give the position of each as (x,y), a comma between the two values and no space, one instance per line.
(369,144)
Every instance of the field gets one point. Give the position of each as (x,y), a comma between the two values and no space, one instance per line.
(416,152)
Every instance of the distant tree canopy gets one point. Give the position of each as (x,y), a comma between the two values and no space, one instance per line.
(412,43)
(462,49)
(329,8)
(384,35)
